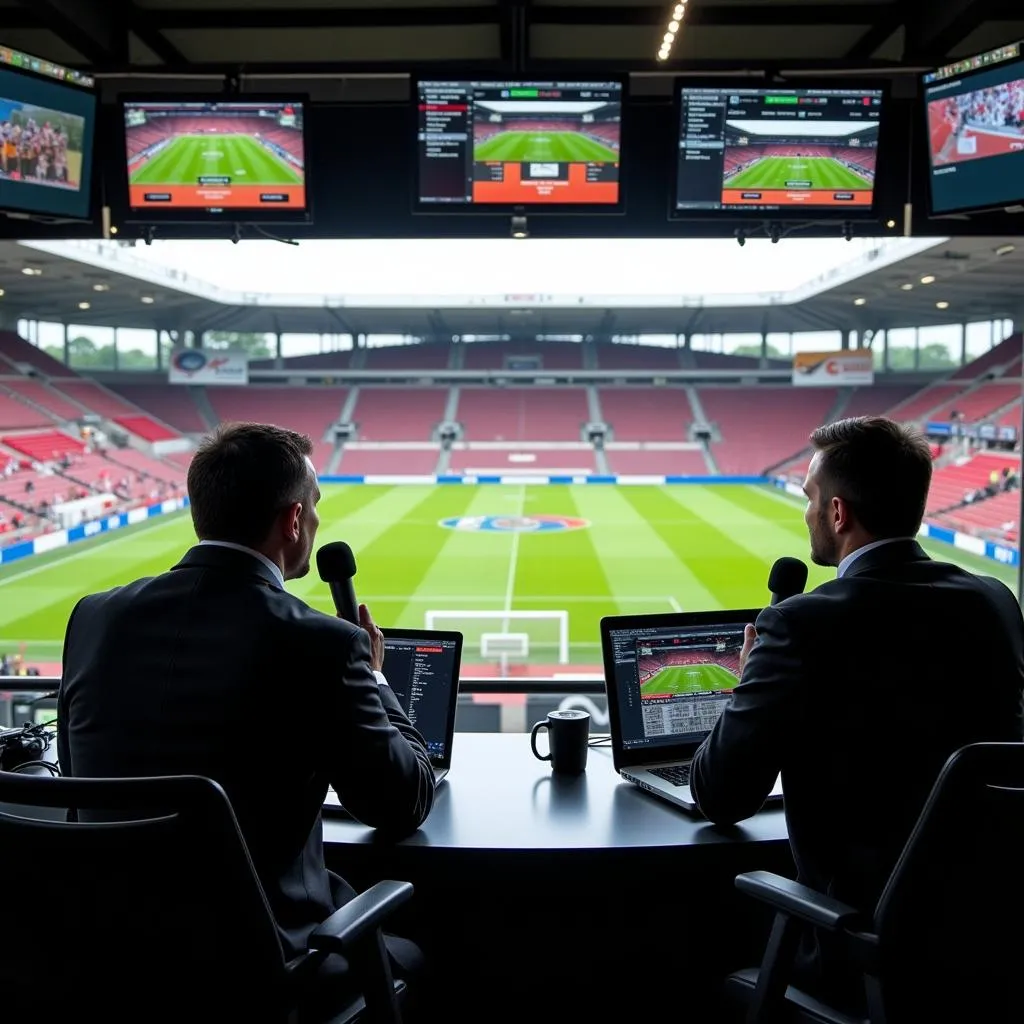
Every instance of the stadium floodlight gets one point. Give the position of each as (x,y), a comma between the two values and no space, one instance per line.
(675,23)
(85,305)
(928,279)
(907,286)
(942,304)
(860,300)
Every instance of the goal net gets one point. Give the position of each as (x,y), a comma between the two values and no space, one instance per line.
(540,637)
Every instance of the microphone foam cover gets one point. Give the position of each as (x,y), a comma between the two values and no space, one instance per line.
(335,561)
(787,577)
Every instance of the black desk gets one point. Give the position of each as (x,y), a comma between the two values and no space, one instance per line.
(528,884)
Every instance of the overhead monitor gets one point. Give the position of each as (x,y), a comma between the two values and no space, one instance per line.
(227,159)
(519,144)
(778,151)
(975,126)
(47,127)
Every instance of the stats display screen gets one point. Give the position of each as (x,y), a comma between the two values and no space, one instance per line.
(519,143)
(780,150)
(216,157)
(975,111)
(47,125)
(422,673)
(673,683)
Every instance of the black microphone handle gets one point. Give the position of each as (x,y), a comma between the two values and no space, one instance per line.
(344,596)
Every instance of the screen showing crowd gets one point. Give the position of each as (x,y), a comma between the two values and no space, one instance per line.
(976,132)
(215,156)
(777,149)
(47,116)
(519,143)
(674,683)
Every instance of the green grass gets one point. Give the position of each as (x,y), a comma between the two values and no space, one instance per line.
(544,147)
(238,157)
(777,172)
(690,679)
(648,549)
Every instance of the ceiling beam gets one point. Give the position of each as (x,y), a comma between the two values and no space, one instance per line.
(882,27)
(944,24)
(88,26)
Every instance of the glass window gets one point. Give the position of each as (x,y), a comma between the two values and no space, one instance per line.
(136,349)
(91,347)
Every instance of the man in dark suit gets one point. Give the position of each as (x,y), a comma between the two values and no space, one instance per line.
(859,691)
(214,669)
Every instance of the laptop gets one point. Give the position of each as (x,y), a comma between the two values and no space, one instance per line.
(422,668)
(668,679)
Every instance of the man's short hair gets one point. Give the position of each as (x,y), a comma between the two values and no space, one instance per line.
(880,468)
(243,476)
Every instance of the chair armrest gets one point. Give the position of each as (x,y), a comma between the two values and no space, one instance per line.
(799,901)
(360,916)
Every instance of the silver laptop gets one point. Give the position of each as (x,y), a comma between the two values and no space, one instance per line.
(668,679)
(422,668)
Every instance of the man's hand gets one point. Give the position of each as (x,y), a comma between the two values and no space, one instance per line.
(376,638)
(749,639)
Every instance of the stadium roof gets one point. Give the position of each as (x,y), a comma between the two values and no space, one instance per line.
(953,280)
(387,36)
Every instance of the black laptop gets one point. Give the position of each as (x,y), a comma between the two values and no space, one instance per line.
(668,679)
(422,668)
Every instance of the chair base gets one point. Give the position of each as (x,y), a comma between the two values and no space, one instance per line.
(800,1008)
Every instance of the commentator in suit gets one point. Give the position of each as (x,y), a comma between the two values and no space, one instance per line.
(859,691)
(214,669)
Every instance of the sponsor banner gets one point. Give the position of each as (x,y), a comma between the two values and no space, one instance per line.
(834,369)
(201,366)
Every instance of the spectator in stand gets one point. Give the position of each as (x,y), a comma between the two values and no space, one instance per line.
(5,665)
(29,486)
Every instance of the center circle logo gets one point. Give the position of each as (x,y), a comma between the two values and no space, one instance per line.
(189,360)
(514,524)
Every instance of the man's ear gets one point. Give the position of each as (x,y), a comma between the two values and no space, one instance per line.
(291,522)
(842,516)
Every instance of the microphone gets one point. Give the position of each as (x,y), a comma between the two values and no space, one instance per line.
(337,565)
(787,577)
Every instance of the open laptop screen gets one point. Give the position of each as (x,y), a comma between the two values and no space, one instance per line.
(671,682)
(422,667)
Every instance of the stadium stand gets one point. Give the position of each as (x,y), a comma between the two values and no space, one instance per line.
(310,410)
(646,414)
(762,427)
(636,357)
(43,447)
(1005,353)
(495,355)
(360,461)
(921,404)
(981,403)
(15,414)
(43,396)
(522,414)
(644,461)
(429,356)
(97,398)
(877,400)
(398,414)
(523,460)
(316,361)
(171,403)
(951,483)
(16,350)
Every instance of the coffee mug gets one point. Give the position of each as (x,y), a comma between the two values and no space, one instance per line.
(568,741)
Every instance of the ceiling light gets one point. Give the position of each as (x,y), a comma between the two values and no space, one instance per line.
(148,300)
(679,11)
(113,230)
(2,293)
(859,301)
(85,305)
(890,223)
(31,271)
(928,279)
(908,287)
(673,27)
(1005,250)
(942,305)
(674,24)
(101,287)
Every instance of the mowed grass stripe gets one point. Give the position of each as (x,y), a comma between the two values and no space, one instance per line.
(726,573)
(472,566)
(639,546)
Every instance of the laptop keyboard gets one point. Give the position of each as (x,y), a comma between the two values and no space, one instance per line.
(677,774)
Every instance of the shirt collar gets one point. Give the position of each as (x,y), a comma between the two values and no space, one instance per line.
(275,569)
(844,565)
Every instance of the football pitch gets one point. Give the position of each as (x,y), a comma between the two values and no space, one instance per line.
(646,549)
(543,147)
(690,679)
(190,157)
(775,172)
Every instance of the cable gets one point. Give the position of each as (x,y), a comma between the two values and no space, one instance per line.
(600,741)
(48,765)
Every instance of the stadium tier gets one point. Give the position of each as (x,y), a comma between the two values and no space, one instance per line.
(317,361)
(496,355)
(399,414)
(356,461)
(42,447)
(981,403)
(994,517)
(15,414)
(15,350)
(408,357)
(522,414)
(636,357)
(923,403)
(523,460)
(951,483)
(1005,353)
(146,428)
(171,403)
(668,462)
(52,402)
(97,398)
(310,410)
(762,427)
(646,414)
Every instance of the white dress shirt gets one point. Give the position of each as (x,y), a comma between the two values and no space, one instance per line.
(844,565)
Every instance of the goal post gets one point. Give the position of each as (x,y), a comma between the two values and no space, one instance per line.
(496,624)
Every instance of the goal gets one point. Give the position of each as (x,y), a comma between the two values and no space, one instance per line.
(513,636)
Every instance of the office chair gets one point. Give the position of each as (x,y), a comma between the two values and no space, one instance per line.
(945,942)
(151,911)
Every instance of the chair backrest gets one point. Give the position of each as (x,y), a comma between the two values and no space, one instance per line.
(949,920)
(147,908)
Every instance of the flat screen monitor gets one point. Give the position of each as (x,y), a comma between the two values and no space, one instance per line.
(781,151)
(975,125)
(530,145)
(229,159)
(47,129)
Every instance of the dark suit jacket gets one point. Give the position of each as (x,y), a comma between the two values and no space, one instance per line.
(857,693)
(211,669)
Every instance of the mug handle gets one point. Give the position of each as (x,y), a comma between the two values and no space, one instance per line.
(533,742)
